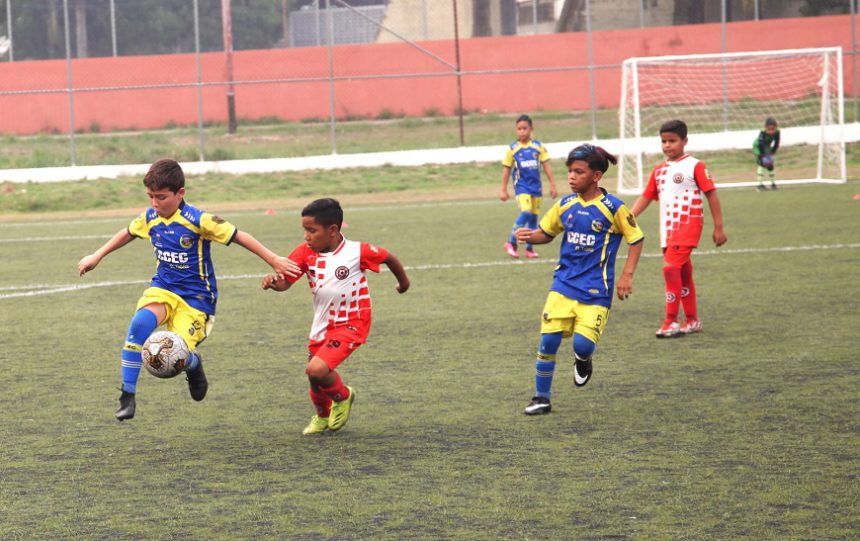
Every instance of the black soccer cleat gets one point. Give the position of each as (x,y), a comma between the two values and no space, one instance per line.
(538,406)
(581,371)
(126,406)
(197,384)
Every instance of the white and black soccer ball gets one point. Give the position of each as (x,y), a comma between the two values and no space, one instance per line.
(165,354)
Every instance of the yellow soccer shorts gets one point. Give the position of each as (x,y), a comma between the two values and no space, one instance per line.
(567,316)
(528,203)
(189,323)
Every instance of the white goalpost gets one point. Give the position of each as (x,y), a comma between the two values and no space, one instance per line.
(724,100)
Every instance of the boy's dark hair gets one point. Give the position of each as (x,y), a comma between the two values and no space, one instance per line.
(598,158)
(524,118)
(165,173)
(325,212)
(770,121)
(678,127)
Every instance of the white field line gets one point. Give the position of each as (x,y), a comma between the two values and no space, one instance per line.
(33,290)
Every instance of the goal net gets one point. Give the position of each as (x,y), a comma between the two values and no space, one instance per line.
(724,100)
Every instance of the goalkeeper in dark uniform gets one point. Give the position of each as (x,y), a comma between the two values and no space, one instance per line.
(764,147)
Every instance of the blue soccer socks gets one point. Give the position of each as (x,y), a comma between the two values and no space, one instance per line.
(142,325)
(545,363)
(193,362)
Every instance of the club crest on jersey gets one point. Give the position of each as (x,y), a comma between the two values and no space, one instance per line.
(631,220)
(218,219)
(341,273)
(678,178)
(597,226)
(186,241)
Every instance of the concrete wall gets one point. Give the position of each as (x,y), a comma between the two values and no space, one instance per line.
(565,87)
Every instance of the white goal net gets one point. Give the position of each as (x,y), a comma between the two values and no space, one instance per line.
(724,99)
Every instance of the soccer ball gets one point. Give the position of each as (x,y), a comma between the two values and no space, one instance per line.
(165,354)
(767,161)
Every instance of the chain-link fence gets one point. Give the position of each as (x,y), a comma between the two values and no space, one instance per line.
(359,73)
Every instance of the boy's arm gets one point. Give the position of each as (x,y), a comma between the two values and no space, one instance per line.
(280,264)
(639,206)
(548,170)
(506,174)
(396,268)
(717,214)
(276,282)
(116,242)
(534,236)
(625,283)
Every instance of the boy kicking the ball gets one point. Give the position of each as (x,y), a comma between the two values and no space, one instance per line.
(335,268)
(183,292)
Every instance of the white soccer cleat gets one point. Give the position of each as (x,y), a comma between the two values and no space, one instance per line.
(669,330)
(691,326)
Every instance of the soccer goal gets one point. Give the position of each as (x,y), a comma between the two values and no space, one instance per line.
(725,99)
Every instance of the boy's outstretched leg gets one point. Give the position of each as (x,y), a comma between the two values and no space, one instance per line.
(759,175)
(342,398)
(544,370)
(511,245)
(688,300)
(532,224)
(670,327)
(583,348)
(141,326)
(322,405)
(196,377)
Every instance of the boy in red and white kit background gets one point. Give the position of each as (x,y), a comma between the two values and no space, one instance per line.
(335,268)
(678,184)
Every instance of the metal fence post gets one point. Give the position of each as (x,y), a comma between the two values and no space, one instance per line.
(201,144)
(854,56)
(591,90)
(332,119)
(9,30)
(113,26)
(70,85)
(459,76)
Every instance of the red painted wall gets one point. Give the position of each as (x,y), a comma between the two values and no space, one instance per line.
(430,85)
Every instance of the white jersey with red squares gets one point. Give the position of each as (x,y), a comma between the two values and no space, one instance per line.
(339,284)
(679,185)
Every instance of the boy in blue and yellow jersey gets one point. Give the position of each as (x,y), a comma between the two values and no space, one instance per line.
(183,292)
(525,157)
(592,223)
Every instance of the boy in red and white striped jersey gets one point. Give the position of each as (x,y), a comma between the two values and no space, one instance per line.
(679,183)
(335,268)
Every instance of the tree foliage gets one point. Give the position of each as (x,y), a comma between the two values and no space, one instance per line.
(141,26)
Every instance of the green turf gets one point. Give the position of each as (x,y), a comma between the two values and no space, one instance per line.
(267,189)
(747,431)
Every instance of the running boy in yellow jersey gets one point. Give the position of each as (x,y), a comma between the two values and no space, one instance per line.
(525,158)
(591,223)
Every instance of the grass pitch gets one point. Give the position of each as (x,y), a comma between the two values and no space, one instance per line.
(746,431)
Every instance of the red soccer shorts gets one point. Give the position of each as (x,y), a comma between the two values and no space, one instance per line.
(338,344)
(676,256)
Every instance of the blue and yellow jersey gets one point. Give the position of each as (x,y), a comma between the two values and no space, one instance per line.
(182,251)
(525,162)
(592,233)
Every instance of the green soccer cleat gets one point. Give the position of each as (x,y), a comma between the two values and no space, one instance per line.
(340,411)
(318,425)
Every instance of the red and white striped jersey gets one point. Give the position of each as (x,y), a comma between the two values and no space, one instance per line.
(339,284)
(679,186)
